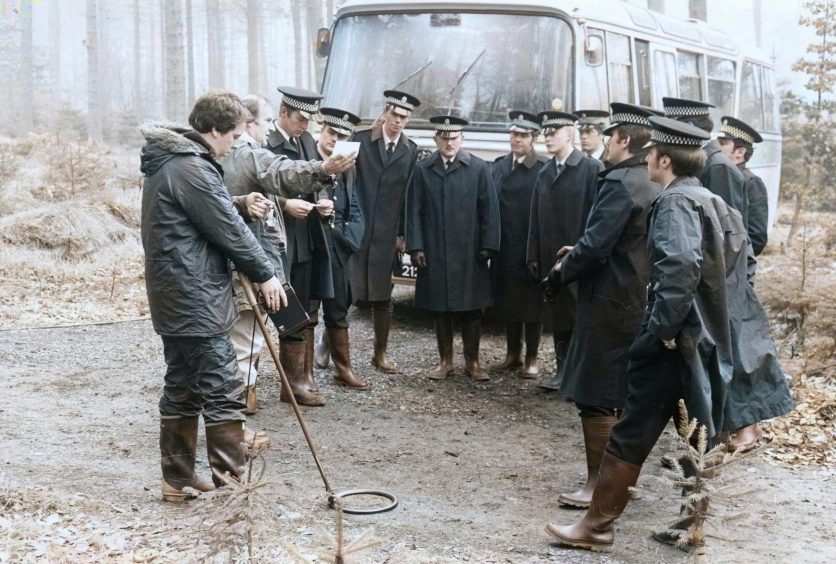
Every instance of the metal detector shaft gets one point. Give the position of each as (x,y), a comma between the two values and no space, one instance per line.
(248,292)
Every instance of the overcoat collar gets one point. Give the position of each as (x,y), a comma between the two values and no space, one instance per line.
(637,160)
(436,164)
(276,139)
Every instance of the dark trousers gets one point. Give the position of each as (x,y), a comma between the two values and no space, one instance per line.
(335,311)
(655,386)
(201,378)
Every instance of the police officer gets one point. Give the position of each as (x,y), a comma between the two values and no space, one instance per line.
(684,348)
(518,299)
(737,140)
(591,124)
(310,263)
(609,263)
(560,204)
(384,167)
(720,175)
(452,232)
(343,237)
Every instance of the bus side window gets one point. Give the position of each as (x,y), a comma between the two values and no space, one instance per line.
(721,83)
(690,75)
(751,95)
(643,72)
(592,78)
(619,61)
(770,102)
(664,75)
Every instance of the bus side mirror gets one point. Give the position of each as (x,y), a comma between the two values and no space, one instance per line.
(323,42)
(594,50)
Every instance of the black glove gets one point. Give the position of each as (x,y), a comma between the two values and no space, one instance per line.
(548,290)
(485,255)
(534,269)
(419,259)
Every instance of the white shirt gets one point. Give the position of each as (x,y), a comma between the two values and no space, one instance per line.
(596,154)
(387,140)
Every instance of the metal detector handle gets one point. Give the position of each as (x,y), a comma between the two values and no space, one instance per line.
(248,292)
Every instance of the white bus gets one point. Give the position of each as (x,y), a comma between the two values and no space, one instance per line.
(482,58)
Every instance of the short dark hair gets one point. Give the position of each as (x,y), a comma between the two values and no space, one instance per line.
(738,143)
(599,127)
(639,136)
(685,161)
(703,122)
(220,110)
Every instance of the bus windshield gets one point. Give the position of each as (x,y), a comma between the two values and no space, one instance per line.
(478,66)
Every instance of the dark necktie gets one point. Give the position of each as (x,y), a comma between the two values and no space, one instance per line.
(390,148)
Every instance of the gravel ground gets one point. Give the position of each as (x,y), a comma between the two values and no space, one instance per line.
(477,468)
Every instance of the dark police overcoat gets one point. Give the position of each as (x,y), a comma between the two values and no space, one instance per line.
(609,263)
(687,296)
(347,234)
(759,388)
(305,237)
(516,295)
(559,208)
(452,215)
(722,177)
(381,190)
(758,226)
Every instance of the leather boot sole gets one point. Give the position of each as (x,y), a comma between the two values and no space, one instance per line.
(385,368)
(553,531)
(309,400)
(576,503)
(172,494)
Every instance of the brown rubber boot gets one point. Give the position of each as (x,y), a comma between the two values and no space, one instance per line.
(292,357)
(471,333)
(251,400)
(178,446)
(322,352)
(513,346)
(444,338)
(382,315)
(338,337)
(596,433)
(533,331)
(672,534)
(595,531)
(226,450)
(310,381)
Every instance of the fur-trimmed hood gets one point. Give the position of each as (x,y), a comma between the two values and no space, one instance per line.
(165,140)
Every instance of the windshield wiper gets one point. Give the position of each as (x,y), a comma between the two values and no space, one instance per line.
(416,73)
(466,72)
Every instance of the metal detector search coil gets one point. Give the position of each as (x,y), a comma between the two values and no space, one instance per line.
(333,496)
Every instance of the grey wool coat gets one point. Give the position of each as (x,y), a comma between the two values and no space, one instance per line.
(452,215)
(190,229)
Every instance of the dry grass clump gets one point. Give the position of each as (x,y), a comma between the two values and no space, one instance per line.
(74,231)
(10,162)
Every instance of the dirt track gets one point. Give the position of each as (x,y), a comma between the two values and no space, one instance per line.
(477,467)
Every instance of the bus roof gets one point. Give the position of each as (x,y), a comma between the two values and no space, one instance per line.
(611,12)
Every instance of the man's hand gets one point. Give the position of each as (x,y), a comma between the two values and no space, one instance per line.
(400,244)
(325,207)
(298,208)
(534,269)
(339,163)
(670,344)
(565,250)
(258,207)
(419,259)
(485,255)
(273,294)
